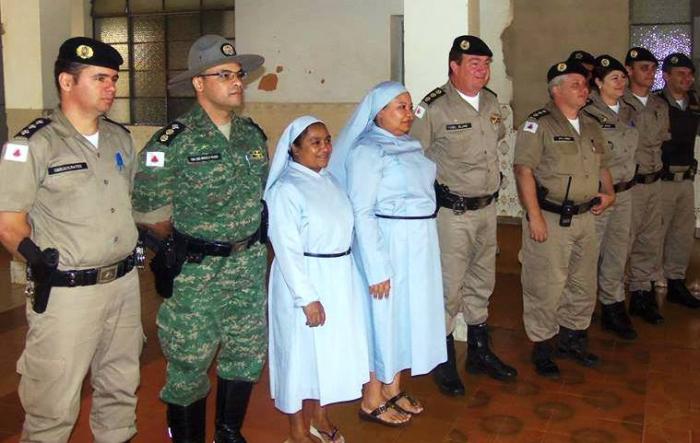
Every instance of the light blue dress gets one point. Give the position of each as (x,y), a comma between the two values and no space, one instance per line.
(309,212)
(390,176)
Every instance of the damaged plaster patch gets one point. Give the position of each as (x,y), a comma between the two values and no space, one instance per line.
(279,69)
(268,82)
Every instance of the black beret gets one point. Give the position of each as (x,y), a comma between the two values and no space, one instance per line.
(581,57)
(677,60)
(89,51)
(639,54)
(604,64)
(562,68)
(470,45)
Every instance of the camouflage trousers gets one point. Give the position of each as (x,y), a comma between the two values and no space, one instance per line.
(219,303)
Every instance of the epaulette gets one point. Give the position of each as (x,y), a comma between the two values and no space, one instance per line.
(433,95)
(32,127)
(105,118)
(168,133)
(491,91)
(250,120)
(538,114)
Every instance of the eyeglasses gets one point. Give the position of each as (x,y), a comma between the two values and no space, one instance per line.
(226,75)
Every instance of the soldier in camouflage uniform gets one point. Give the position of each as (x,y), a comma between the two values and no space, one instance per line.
(201,177)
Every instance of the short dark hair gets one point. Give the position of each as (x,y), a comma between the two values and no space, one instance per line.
(69,67)
(455,56)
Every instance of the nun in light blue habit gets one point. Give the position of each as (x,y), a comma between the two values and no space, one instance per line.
(317,340)
(390,184)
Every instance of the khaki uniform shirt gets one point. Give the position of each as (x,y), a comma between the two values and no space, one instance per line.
(77,197)
(653,125)
(551,147)
(462,141)
(621,137)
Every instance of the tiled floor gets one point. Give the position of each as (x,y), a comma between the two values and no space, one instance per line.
(647,390)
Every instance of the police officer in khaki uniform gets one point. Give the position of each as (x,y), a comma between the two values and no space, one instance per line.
(613,227)
(65,207)
(459,125)
(560,161)
(651,120)
(677,181)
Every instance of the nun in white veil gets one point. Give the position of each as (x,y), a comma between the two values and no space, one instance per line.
(318,346)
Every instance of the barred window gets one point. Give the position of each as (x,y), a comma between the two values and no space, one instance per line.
(154,37)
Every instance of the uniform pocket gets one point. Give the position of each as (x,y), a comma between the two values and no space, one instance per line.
(38,391)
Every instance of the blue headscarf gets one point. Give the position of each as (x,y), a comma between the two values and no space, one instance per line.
(281,157)
(361,120)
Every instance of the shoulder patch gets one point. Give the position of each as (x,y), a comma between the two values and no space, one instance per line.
(257,126)
(491,91)
(105,118)
(433,95)
(538,114)
(168,133)
(32,127)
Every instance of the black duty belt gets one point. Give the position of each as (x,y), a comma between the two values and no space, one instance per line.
(407,217)
(198,247)
(459,204)
(668,176)
(623,186)
(332,255)
(94,276)
(575,209)
(647,179)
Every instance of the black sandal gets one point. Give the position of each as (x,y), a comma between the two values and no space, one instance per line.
(393,402)
(374,416)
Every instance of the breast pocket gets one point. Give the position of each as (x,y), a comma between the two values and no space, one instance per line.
(71,191)
(566,156)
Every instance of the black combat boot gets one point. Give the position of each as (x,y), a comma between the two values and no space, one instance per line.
(542,358)
(480,358)
(231,403)
(186,423)
(574,344)
(445,374)
(679,293)
(615,319)
(643,304)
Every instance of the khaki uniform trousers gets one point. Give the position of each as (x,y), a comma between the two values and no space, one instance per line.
(613,231)
(96,328)
(645,235)
(559,276)
(677,226)
(468,257)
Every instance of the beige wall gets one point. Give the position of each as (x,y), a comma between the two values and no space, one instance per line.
(544,32)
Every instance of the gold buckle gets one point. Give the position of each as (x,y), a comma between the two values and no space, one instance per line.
(107,274)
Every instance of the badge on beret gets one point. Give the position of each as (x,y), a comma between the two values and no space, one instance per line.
(84,52)
(605,62)
(561,67)
(464,44)
(578,55)
(634,53)
(227,49)
(674,60)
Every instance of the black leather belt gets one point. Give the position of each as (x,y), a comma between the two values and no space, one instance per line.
(623,186)
(459,204)
(334,255)
(647,179)
(196,246)
(407,217)
(94,276)
(678,176)
(576,209)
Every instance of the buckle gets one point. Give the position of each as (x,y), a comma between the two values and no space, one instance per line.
(107,274)
(679,176)
(459,207)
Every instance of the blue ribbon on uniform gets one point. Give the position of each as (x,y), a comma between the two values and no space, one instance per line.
(119,161)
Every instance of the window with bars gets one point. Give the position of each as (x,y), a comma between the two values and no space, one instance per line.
(662,27)
(154,37)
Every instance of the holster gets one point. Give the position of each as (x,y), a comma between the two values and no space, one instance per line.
(166,265)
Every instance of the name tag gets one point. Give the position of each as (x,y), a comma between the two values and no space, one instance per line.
(66,168)
(203,158)
(563,138)
(458,126)
(608,126)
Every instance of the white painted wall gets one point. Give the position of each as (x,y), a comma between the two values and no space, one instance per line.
(329,51)
(494,18)
(55,22)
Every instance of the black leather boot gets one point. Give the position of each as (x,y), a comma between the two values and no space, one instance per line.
(643,304)
(679,293)
(480,358)
(231,403)
(542,358)
(574,344)
(615,319)
(186,423)
(445,374)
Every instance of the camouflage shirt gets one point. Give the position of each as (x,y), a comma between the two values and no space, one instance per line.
(208,186)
